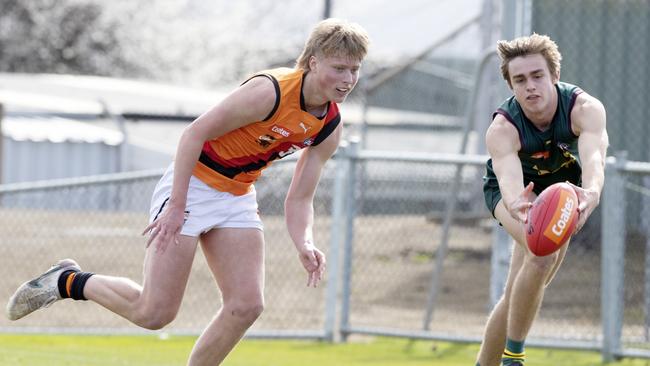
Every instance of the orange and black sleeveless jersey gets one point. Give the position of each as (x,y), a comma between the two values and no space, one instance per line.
(232,162)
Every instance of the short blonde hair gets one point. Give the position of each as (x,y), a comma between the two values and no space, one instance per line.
(335,37)
(523,46)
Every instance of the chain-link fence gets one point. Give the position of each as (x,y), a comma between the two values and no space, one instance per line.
(604,45)
(604,48)
(625,264)
(42,223)
(383,228)
(395,268)
(395,283)
(399,209)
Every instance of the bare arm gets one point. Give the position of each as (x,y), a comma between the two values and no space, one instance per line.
(250,102)
(589,123)
(502,141)
(299,207)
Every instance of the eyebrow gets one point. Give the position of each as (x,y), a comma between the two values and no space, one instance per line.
(530,73)
(345,65)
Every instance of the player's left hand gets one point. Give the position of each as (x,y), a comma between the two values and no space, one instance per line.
(588,200)
(314,262)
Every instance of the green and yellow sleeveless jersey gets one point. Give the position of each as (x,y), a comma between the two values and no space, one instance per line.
(548,156)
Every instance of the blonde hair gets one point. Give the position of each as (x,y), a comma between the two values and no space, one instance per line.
(334,37)
(523,46)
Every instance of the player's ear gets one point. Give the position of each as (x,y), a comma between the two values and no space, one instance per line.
(313,62)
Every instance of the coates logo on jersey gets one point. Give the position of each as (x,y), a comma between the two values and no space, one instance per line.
(308,142)
(281,131)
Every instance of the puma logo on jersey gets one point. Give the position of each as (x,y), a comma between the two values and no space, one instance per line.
(304,127)
(281,131)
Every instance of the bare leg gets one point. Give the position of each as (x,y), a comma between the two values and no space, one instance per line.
(558,262)
(155,303)
(527,294)
(236,258)
(514,314)
(494,339)
(528,291)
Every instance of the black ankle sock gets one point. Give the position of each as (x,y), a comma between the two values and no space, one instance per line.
(63,278)
(77,285)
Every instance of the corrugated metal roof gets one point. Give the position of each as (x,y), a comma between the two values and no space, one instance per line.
(92,94)
(56,129)
(39,101)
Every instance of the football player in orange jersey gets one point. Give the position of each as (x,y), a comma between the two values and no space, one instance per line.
(207,196)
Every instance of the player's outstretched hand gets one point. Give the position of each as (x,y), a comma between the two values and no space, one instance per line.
(165,229)
(314,262)
(522,204)
(588,200)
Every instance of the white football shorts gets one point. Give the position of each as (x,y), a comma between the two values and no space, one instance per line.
(206,207)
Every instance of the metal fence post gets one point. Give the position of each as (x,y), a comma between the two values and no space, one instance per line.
(337,223)
(613,257)
(350,208)
(516,15)
(645,223)
(1,140)
(452,201)
(499,263)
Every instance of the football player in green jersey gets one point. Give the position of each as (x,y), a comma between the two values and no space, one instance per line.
(547,132)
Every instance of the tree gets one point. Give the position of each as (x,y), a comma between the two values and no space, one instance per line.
(59,36)
(193,42)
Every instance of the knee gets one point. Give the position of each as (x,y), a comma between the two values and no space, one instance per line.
(155,318)
(541,265)
(245,312)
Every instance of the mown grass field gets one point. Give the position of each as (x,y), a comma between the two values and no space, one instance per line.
(59,350)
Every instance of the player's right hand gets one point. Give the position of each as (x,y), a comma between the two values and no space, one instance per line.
(166,228)
(314,262)
(521,205)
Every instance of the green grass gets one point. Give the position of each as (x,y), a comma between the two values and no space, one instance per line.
(50,350)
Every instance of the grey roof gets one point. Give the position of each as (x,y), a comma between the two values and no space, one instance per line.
(92,94)
(57,129)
